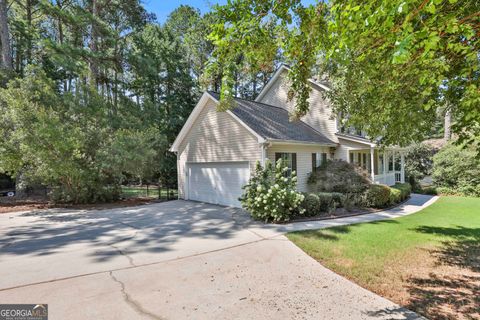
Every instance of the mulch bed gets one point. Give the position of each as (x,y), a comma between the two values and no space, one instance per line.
(343,213)
(8,205)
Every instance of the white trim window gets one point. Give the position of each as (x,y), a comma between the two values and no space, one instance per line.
(318,158)
(290,159)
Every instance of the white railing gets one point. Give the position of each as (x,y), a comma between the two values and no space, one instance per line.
(389,178)
(398,176)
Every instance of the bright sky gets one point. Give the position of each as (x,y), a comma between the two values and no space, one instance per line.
(162,8)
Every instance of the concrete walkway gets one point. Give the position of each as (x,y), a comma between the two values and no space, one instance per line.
(177,260)
(416,203)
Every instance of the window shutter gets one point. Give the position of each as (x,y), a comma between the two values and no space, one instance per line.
(314,162)
(277,156)
(294,162)
(324,158)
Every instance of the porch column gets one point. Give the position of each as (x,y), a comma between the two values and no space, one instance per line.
(372,165)
(402,167)
(385,160)
(264,154)
(393,159)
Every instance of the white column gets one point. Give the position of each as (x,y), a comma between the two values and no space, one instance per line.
(264,153)
(393,159)
(372,165)
(402,167)
(385,160)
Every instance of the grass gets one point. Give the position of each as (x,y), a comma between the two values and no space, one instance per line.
(428,261)
(140,191)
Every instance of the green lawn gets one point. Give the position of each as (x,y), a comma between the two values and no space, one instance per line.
(428,261)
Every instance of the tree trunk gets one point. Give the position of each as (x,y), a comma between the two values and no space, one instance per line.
(448,125)
(93,45)
(4,37)
(28,9)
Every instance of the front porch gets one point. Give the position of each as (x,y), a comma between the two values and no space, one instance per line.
(385,166)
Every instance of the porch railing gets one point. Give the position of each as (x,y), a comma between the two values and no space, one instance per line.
(398,176)
(389,178)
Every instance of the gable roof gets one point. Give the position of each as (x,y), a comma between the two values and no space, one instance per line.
(273,123)
(284,68)
(202,103)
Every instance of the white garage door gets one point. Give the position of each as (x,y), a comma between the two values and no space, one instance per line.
(218,183)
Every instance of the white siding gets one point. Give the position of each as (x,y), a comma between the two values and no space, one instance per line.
(342,150)
(320,113)
(304,160)
(216,137)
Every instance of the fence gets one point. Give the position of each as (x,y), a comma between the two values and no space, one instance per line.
(149,191)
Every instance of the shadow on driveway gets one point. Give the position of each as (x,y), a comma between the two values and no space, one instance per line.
(150,228)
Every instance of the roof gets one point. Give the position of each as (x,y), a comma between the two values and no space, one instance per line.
(355,138)
(273,123)
(285,68)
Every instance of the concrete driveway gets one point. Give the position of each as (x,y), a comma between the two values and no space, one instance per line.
(173,260)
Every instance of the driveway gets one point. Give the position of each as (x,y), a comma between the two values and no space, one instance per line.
(174,260)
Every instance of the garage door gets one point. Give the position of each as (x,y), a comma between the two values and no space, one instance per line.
(217,183)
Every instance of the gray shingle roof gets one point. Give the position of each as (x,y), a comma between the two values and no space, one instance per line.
(272,123)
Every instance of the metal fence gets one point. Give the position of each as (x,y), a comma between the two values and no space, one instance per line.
(150,191)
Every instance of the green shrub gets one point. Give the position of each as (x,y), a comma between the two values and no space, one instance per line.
(456,170)
(327,204)
(271,195)
(430,190)
(352,200)
(338,176)
(311,204)
(405,190)
(395,196)
(377,196)
(323,202)
(339,199)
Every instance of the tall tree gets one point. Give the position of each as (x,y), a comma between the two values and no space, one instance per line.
(5,37)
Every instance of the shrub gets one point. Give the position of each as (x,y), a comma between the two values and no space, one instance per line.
(429,190)
(456,170)
(395,196)
(338,176)
(339,199)
(405,190)
(377,196)
(311,204)
(271,195)
(326,202)
(323,202)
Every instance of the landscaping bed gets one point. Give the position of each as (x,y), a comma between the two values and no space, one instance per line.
(343,213)
(337,189)
(428,262)
(12,205)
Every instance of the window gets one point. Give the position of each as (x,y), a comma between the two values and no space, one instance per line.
(390,163)
(351,158)
(380,163)
(318,159)
(290,159)
(364,163)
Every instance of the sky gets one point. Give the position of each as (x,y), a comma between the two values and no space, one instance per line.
(162,8)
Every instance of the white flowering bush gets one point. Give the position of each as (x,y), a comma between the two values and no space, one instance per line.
(271,194)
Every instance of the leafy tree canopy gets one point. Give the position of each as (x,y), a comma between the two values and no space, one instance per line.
(391,63)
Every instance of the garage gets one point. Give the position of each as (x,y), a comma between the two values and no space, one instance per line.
(217,182)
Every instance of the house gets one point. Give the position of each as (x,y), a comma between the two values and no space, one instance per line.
(217,151)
